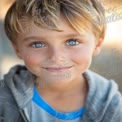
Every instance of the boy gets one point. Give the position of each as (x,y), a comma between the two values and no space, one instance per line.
(57,40)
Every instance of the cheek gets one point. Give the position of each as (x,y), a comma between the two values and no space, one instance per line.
(82,57)
(32,59)
(33,62)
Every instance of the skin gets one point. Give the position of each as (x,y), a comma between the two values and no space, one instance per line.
(41,48)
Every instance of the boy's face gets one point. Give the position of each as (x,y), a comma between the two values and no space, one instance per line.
(53,56)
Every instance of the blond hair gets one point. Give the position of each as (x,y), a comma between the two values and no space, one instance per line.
(81,14)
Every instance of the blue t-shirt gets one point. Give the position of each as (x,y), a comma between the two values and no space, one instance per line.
(43,112)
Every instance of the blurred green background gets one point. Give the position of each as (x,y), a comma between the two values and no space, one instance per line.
(108,63)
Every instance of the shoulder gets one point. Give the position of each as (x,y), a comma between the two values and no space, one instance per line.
(104,98)
(102,87)
(8,108)
(101,83)
(114,109)
(4,90)
(5,94)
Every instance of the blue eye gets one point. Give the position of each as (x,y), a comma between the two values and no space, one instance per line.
(72,42)
(38,45)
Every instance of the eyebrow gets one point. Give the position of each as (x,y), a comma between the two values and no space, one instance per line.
(65,36)
(73,35)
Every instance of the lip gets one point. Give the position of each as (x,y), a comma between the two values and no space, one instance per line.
(56,69)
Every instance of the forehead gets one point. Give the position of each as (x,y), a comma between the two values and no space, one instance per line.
(31,29)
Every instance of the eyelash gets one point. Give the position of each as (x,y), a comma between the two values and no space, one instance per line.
(37,43)
(33,44)
(73,40)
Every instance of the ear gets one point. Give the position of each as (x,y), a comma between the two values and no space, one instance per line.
(17,50)
(98,47)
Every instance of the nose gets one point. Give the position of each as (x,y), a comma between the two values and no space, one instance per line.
(57,55)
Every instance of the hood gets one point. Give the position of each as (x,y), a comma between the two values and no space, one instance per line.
(20,82)
(101,91)
(102,97)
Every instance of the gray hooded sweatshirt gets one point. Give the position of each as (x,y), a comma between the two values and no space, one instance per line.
(103,104)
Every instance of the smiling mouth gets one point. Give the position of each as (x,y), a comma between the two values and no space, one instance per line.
(56,69)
